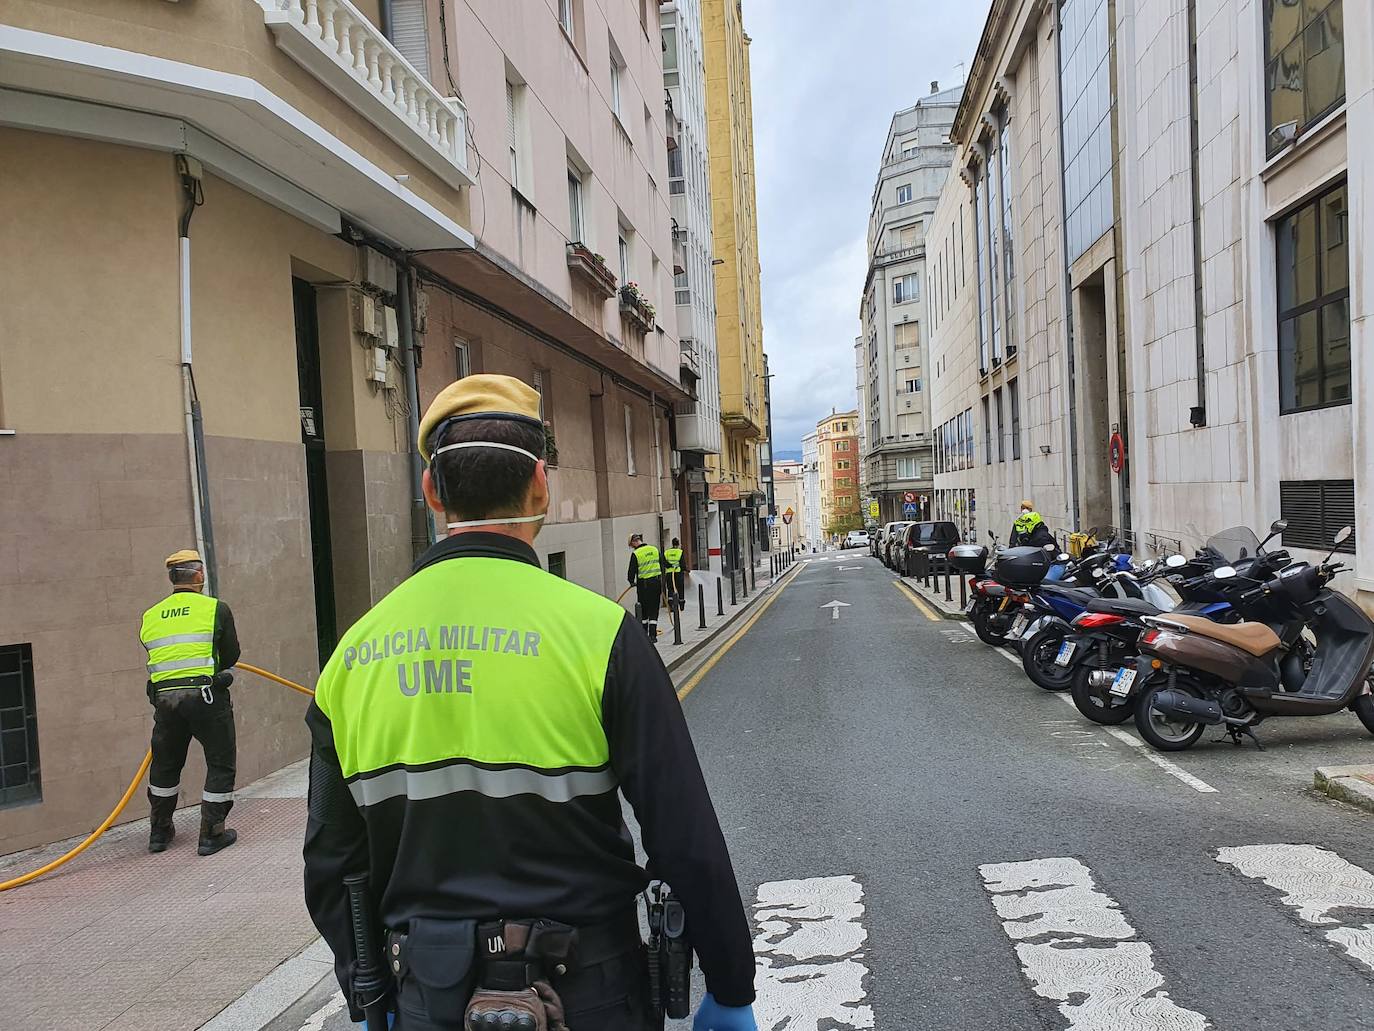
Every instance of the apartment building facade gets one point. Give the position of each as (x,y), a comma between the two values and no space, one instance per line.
(837,449)
(811,486)
(893,311)
(698,425)
(789,481)
(291,232)
(1183,273)
(739,306)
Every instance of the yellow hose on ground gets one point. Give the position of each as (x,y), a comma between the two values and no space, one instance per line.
(129,794)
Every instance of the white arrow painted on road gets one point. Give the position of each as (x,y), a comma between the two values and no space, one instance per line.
(835,607)
(843,568)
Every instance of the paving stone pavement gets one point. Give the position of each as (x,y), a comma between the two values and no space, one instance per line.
(120,939)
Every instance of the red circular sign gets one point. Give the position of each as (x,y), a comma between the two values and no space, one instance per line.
(909,497)
(1118,453)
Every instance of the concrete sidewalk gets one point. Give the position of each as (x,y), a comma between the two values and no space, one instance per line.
(1353,784)
(934,594)
(119,939)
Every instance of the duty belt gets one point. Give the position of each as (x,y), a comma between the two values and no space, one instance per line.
(519,952)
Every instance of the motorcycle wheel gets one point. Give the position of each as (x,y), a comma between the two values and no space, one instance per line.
(979,618)
(1162,732)
(1092,701)
(1037,658)
(1364,709)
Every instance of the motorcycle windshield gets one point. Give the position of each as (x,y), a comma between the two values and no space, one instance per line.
(1235,544)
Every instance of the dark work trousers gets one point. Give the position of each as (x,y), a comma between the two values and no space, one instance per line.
(179,716)
(608,996)
(675,587)
(650,597)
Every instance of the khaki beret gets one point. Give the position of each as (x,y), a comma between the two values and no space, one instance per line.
(635,537)
(1028,503)
(479,397)
(180,558)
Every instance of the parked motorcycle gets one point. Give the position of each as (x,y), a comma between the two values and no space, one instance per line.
(1193,673)
(1105,638)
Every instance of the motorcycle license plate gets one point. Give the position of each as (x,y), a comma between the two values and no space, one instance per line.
(969,607)
(1121,685)
(1066,651)
(1018,626)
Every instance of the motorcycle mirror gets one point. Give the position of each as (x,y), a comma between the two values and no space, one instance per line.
(1224,572)
(1278,526)
(1174,561)
(1343,534)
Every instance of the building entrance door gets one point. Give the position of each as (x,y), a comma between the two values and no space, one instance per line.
(316,480)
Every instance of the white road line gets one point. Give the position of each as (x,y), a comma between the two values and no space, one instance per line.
(1167,765)
(1314,881)
(1062,926)
(316,1020)
(809,950)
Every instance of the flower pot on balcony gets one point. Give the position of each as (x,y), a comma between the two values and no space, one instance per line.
(637,311)
(592,269)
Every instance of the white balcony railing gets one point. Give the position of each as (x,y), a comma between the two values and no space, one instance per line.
(337,44)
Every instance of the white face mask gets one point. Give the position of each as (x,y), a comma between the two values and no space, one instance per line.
(513,520)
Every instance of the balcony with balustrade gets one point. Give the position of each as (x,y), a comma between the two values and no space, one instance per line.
(347,53)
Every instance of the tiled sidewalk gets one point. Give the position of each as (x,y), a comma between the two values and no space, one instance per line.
(120,939)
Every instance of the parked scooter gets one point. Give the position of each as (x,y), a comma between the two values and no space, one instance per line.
(1195,673)
(1107,635)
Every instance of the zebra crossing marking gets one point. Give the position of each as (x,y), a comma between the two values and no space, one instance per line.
(1077,948)
(1314,881)
(809,954)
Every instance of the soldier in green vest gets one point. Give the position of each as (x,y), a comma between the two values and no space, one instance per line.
(472,737)
(646,577)
(672,558)
(191,644)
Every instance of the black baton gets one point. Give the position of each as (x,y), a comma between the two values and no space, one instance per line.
(369,976)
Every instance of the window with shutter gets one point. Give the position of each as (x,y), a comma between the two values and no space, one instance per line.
(512,135)
(410,33)
(1315,511)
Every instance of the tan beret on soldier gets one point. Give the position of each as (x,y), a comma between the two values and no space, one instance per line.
(483,396)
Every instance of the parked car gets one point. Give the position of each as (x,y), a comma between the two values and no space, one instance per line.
(875,541)
(892,543)
(934,539)
(855,539)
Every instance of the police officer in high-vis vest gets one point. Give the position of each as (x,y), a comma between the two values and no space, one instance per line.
(472,737)
(645,575)
(672,559)
(191,644)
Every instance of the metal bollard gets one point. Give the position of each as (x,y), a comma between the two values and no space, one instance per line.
(963,594)
(753,579)
(720,598)
(677,621)
(925,574)
(733,600)
(638,618)
(948,595)
(701,606)
(744,582)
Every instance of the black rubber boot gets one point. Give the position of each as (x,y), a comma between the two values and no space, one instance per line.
(161,836)
(214,838)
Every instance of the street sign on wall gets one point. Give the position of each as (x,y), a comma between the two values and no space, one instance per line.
(909,508)
(873,510)
(723,492)
(909,497)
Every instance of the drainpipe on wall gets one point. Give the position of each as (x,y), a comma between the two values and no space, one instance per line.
(1198,415)
(421,526)
(384,16)
(189,172)
(1068,285)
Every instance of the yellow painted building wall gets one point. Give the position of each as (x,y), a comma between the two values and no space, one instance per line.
(739,307)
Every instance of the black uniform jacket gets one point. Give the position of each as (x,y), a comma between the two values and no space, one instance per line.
(466,855)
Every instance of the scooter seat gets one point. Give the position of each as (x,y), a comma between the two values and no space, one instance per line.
(1255,638)
(1081,595)
(1124,606)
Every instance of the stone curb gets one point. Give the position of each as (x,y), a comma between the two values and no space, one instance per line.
(936,599)
(691,653)
(1352,784)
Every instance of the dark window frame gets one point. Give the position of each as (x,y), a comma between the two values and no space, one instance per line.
(1014,400)
(1270,148)
(17,684)
(1317,304)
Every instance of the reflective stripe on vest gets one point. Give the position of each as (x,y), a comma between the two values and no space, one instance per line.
(475,675)
(179,635)
(649,565)
(673,556)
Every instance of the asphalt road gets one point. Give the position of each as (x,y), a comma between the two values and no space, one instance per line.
(927,840)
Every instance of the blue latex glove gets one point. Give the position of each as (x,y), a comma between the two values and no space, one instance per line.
(390,1021)
(712,1016)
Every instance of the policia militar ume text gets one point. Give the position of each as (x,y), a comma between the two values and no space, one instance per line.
(472,735)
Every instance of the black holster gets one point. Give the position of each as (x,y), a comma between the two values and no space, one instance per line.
(670,955)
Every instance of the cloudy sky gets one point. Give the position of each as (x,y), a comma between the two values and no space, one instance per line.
(827,78)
